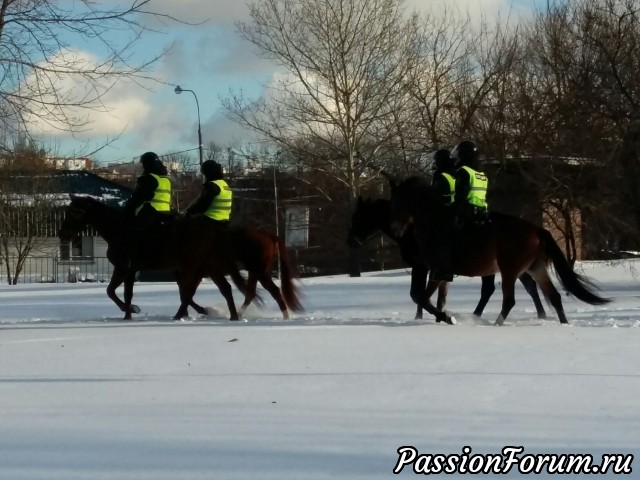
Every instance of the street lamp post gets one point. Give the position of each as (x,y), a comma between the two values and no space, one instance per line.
(275,202)
(178,90)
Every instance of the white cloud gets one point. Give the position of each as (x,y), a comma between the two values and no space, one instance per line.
(120,104)
(211,59)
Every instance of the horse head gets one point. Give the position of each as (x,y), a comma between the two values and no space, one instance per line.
(369,217)
(87,211)
(74,220)
(410,199)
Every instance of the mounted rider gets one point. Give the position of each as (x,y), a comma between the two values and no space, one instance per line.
(444,183)
(470,203)
(150,202)
(216,198)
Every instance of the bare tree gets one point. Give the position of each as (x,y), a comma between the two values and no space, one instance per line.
(25,207)
(37,58)
(442,46)
(345,61)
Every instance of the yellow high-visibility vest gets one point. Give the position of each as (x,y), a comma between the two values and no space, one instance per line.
(220,208)
(450,197)
(161,200)
(478,192)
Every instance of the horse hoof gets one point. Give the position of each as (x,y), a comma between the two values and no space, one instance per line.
(135,309)
(447,320)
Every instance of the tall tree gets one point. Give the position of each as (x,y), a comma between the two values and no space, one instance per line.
(344,61)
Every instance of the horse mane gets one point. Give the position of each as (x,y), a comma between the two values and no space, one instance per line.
(107,219)
(419,190)
(98,205)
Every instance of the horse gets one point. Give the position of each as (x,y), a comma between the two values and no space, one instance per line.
(505,244)
(254,248)
(372,216)
(190,246)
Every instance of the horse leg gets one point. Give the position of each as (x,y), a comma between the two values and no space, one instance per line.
(532,289)
(425,301)
(275,292)
(418,286)
(443,289)
(227,293)
(129,279)
(250,294)
(487,289)
(187,286)
(508,296)
(199,309)
(541,276)
(117,278)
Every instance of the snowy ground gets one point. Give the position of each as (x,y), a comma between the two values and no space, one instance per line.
(332,393)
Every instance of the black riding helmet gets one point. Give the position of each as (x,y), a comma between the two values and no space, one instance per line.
(149,160)
(212,170)
(442,160)
(465,152)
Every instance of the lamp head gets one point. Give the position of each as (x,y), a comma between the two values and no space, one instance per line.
(178,89)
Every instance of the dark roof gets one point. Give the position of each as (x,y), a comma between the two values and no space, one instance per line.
(58,185)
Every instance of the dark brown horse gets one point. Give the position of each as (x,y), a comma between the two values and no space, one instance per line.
(504,244)
(192,247)
(256,249)
(372,216)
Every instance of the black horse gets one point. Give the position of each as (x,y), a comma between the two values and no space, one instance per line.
(192,247)
(504,244)
(372,216)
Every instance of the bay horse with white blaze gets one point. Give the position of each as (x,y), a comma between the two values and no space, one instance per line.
(504,244)
(372,216)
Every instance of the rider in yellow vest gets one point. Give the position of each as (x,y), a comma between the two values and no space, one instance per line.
(444,180)
(470,202)
(216,197)
(152,194)
(444,184)
(149,204)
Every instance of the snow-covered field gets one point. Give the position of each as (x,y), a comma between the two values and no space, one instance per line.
(332,393)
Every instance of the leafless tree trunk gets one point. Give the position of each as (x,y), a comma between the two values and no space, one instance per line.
(25,210)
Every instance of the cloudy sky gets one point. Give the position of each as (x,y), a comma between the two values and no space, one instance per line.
(210,59)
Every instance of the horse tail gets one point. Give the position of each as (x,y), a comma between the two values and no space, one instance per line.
(577,285)
(238,280)
(287,275)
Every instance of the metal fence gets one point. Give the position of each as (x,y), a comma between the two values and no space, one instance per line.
(56,270)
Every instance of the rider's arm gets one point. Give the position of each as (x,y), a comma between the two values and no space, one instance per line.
(463,185)
(202,203)
(145,188)
(441,187)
